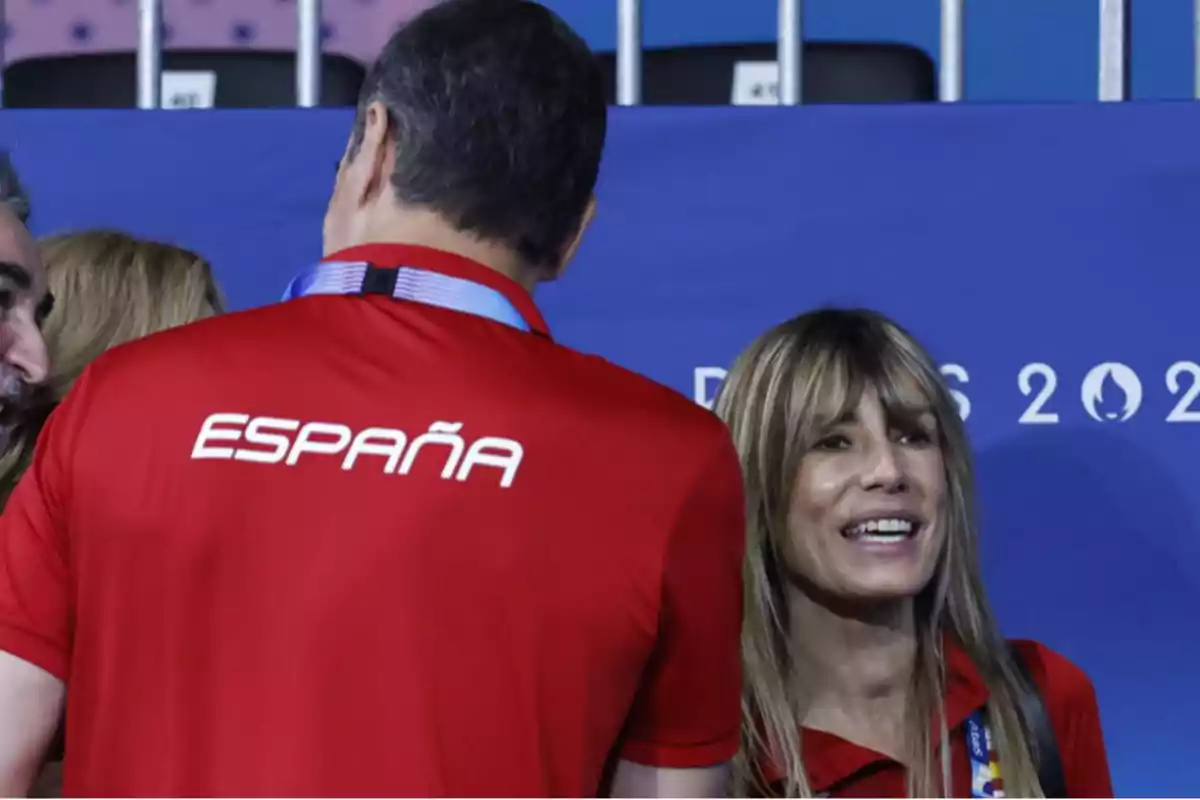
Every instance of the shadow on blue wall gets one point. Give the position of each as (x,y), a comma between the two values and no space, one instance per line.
(1101,584)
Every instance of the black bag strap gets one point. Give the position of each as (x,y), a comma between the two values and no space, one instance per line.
(1045,742)
(57,749)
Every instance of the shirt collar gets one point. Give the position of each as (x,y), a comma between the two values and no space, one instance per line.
(831,759)
(452,264)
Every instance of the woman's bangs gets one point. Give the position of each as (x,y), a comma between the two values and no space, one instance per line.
(831,386)
(903,388)
(829,389)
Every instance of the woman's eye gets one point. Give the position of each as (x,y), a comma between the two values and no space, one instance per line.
(916,437)
(835,441)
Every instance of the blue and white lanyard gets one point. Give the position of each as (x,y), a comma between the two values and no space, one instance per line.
(985,765)
(411,283)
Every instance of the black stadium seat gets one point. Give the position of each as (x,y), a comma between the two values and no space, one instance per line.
(834,72)
(244,79)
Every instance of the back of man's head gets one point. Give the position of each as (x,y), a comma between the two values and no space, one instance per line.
(12,194)
(499,115)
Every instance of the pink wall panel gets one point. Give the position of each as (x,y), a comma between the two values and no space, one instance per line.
(41,27)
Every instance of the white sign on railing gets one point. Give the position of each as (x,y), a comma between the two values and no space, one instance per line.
(756,83)
(191,89)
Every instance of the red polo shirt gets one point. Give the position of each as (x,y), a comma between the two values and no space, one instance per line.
(257,580)
(844,769)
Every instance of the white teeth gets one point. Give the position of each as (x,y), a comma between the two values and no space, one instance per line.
(882,530)
(903,527)
(884,537)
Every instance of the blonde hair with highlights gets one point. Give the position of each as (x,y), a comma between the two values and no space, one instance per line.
(109,288)
(773,402)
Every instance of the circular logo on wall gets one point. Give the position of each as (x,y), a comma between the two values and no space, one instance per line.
(1111,392)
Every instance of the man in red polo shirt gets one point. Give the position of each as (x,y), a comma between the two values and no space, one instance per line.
(388,538)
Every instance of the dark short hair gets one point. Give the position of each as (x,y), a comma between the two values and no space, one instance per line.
(12,194)
(499,113)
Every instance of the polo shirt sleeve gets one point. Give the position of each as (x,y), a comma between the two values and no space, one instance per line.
(1075,716)
(688,711)
(35,593)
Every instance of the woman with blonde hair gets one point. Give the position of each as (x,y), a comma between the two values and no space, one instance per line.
(873,663)
(109,288)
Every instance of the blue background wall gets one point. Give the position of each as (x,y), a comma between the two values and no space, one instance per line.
(1016,50)
(1009,239)
(1004,237)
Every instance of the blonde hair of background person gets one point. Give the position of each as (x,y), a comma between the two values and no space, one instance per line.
(109,288)
(781,397)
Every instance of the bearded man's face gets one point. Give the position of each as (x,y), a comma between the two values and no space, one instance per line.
(24,304)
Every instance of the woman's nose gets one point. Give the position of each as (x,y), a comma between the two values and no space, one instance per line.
(882,469)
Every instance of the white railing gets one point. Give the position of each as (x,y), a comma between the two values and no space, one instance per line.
(1113,67)
(1114,50)
(149,53)
(629,52)
(950,60)
(790,49)
(308,53)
